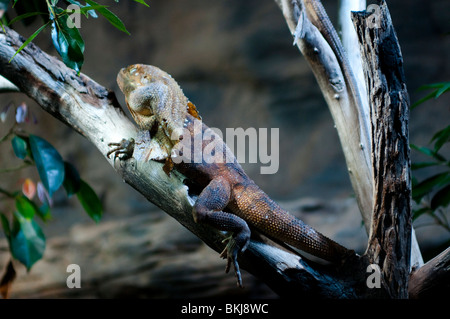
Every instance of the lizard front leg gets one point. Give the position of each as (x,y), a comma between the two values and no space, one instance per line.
(208,209)
(124,147)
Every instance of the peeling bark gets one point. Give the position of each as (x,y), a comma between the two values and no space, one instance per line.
(433,279)
(390,234)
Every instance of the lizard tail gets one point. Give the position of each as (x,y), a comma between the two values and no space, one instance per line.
(269,218)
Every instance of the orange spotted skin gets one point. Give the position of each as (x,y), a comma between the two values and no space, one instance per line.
(231,201)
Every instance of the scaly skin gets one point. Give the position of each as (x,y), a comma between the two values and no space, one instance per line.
(230,200)
(154,97)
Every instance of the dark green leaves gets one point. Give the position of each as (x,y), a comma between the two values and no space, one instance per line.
(4,4)
(432,194)
(49,163)
(429,152)
(54,172)
(68,41)
(29,40)
(438,90)
(72,181)
(65,34)
(5,225)
(441,198)
(111,17)
(440,138)
(27,241)
(428,185)
(25,237)
(142,2)
(29,209)
(20,146)
(26,207)
(90,201)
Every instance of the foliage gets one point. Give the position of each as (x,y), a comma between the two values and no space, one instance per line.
(65,34)
(21,227)
(432,194)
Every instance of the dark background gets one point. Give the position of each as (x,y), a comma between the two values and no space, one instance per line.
(235,60)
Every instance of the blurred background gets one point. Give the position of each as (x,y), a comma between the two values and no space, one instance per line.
(236,62)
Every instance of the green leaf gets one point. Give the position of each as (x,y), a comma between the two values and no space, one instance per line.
(29,209)
(426,186)
(27,240)
(44,212)
(142,2)
(87,9)
(431,86)
(5,225)
(429,152)
(24,16)
(441,198)
(25,207)
(20,146)
(90,201)
(68,42)
(440,138)
(445,87)
(416,166)
(111,17)
(72,181)
(439,89)
(49,163)
(28,40)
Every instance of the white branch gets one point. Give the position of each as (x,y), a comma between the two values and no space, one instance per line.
(6,86)
(350,43)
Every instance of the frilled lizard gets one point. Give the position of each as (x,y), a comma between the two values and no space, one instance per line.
(230,201)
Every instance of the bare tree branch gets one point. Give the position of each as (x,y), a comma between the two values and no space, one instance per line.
(6,86)
(331,69)
(328,61)
(351,47)
(433,279)
(390,235)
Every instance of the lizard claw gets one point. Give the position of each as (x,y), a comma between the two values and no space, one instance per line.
(124,147)
(231,252)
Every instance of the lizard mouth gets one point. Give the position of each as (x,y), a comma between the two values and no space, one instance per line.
(124,79)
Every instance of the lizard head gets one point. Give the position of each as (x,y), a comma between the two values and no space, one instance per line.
(153,95)
(137,84)
(138,75)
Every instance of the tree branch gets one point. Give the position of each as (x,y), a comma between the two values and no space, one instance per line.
(351,46)
(390,235)
(327,64)
(334,75)
(433,279)
(6,86)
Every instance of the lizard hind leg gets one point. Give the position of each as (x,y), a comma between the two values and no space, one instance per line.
(208,209)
